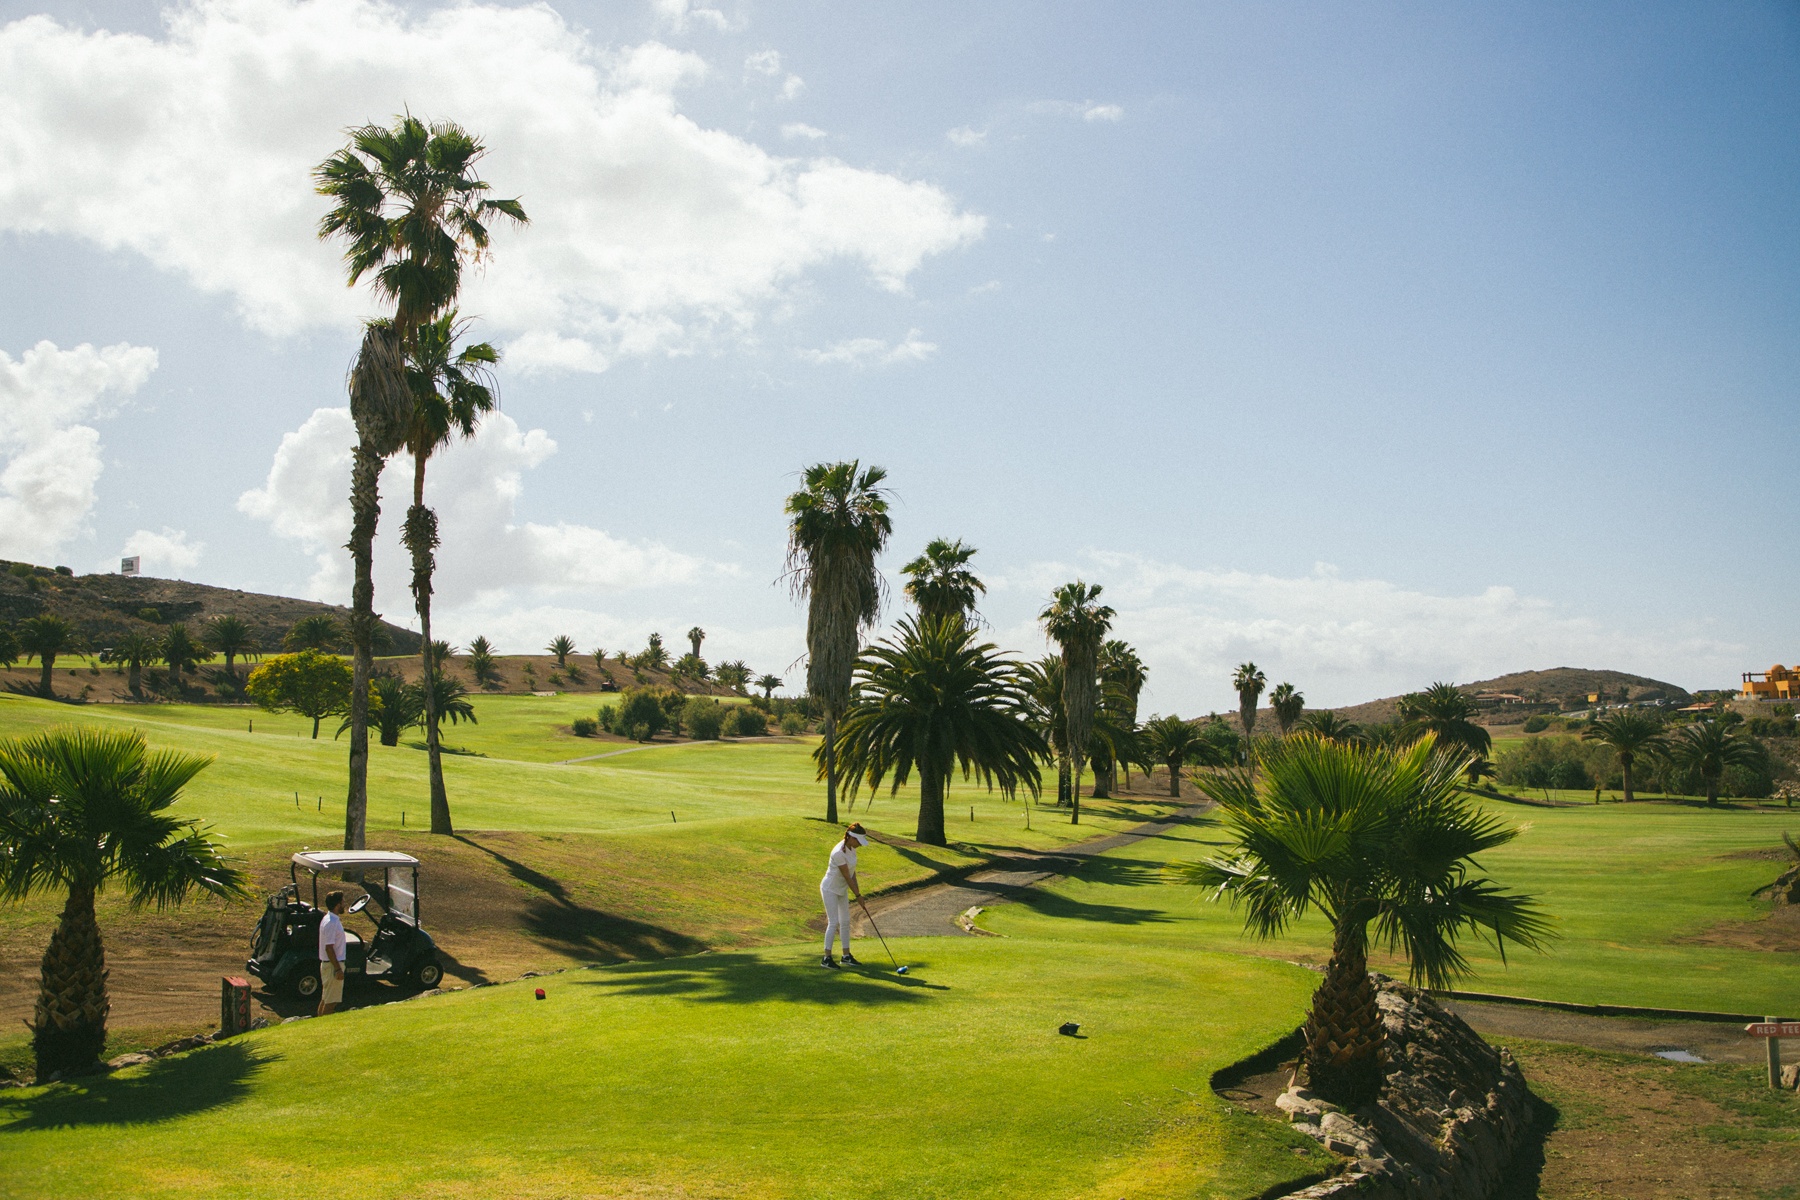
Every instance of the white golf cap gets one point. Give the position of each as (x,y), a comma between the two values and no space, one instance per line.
(862,839)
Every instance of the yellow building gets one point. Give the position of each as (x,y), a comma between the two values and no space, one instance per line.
(1776,683)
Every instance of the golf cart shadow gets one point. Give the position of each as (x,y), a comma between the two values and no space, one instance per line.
(207,1078)
(748,979)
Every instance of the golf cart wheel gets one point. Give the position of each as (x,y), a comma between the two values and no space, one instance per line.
(428,974)
(306,985)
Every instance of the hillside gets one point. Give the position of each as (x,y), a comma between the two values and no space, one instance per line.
(104,608)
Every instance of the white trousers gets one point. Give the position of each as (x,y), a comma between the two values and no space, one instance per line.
(837,917)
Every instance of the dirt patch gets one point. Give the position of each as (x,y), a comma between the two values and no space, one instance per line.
(1778,930)
(1640,1129)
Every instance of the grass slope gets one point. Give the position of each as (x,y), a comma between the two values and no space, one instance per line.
(729,1075)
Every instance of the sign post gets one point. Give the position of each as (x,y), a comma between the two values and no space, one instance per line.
(1774,1029)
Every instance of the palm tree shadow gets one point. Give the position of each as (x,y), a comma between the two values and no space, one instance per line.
(556,918)
(208,1078)
(749,979)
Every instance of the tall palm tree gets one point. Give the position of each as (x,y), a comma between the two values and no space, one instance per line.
(1248,682)
(230,637)
(80,809)
(1121,668)
(1330,726)
(136,651)
(45,636)
(1708,748)
(412,211)
(837,523)
(1287,705)
(1044,684)
(931,698)
(562,646)
(381,405)
(654,655)
(1443,709)
(695,636)
(768,684)
(182,654)
(1630,732)
(1369,836)
(1113,739)
(453,390)
(1077,622)
(1171,740)
(319,631)
(939,582)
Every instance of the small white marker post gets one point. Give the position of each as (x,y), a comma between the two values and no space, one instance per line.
(1774,1029)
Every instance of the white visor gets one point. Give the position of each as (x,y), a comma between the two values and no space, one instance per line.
(862,839)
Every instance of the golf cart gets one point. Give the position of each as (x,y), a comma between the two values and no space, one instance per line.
(284,950)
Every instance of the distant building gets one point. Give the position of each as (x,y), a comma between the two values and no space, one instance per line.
(1776,683)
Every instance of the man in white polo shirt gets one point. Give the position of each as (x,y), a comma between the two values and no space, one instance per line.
(333,943)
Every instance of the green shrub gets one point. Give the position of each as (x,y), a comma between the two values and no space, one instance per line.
(585,727)
(743,721)
(1536,723)
(705,718)
(793,724)
(1559,762)
(639,732)
(639,708)
(674,706)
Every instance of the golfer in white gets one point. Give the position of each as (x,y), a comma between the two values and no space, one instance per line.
(332,944)
(836,889)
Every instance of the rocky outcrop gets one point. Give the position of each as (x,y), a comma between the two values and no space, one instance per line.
(1451,1112)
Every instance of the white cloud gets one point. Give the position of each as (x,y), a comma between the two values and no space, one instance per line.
(162,552)
(799,129)
(52,458)
(1087,110)
(1103,112)
(682,15)
(488,554)
(862,352)
(649,232)
(792,86)
(966,137)
(764,62)
(1343,641)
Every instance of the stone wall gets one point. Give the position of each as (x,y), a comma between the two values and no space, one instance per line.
(1451,1112)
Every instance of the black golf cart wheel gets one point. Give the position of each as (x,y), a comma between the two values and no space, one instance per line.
(306,985)
(428,974)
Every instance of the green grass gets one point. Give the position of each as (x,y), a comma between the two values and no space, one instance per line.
(742,1075)
(1628,886)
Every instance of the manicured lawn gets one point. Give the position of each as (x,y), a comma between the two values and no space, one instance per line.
(737,1074)
(1646,897)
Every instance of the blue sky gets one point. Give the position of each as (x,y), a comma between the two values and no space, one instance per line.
(1380,345)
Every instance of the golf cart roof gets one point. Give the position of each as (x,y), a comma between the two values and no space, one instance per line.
(343,860)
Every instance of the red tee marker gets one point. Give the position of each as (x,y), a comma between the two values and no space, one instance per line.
(540,993)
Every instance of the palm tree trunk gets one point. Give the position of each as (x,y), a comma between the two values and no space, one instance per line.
(1712,790)
(135,678)
(1175,779)
(315,736)
(1063,778)
(422,540)
(68,1028)
(1102,780)
(931,808)
(1625,769)
(365,506)
(1344,1034)
(829,729)
(1075,796)
(47,661)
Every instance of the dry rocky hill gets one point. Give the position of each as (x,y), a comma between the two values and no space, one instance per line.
(104,608)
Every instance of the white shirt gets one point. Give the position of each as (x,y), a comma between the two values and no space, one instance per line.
(331,933)
(834,879)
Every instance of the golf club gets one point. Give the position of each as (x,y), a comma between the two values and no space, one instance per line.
(898,969)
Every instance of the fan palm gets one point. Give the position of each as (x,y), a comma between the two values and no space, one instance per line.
(1331,726)
(939,582)
(1707,748)
(80,809)
(393,706)
(1248,682)
(230,637)
(136,651)
(837,523)
(562,646)
(930,698)
(1121,667)
(1443,709)
(452,390)
(1044,684)
(768,684)
(1170,740)
(1078,623)
(734,675)
(181,653)
(1287,704)
(1369,836)
(695,636)
(654,655)
(316,632)
(45,636)
(1630,733)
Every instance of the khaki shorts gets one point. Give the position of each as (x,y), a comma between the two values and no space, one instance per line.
(331,988)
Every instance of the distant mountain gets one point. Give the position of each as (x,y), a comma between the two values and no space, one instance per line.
(1540,690)
(104,608)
